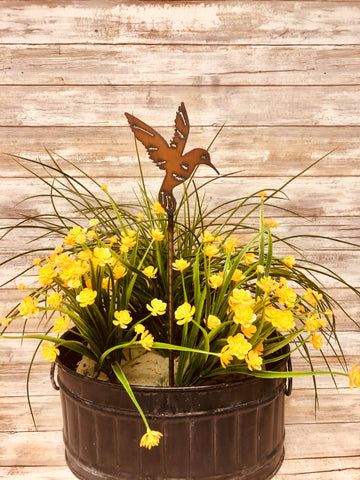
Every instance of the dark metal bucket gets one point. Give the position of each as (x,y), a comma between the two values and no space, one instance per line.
(228,431)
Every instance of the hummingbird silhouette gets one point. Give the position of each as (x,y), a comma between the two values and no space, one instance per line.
(170,157)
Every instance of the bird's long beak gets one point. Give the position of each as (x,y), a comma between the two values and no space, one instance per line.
(213,166)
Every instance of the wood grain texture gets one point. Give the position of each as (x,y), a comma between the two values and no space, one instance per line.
(283,75)
(254,151)
(207,105)
(164,64)
(194,22)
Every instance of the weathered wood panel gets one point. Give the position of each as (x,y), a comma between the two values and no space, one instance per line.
(255,151)
(169,64)
(335,468)
(207,105)
(309,196)
(284,75)
(204,22)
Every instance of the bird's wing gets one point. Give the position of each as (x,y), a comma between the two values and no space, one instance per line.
(154,143)
(182,128)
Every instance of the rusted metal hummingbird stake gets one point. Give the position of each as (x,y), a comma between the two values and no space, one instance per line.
(179,167)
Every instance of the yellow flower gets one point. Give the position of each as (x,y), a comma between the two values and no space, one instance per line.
(76,235)
(85,254)
(105,283)
(58,250)
(122,318)
(267,222)
(28,307)
(86,297)
(286,296)
(289,261)
(21,286)
(156,307)
(215,281)
(150,272)
(260,269)
(37,261)
(262,195)
(225,356)
(93,222)
(259,349)
(102,256)
(274,224)
(244,315)
(249,258)
(184,313)
(139,328)
(212,322)
(49,351)
(248,330)
(150,439)
(237,276)
(267,284)
(54,299)
(119,271)
(240,297)
(72,271)
(180,265)
(354,376)
(313,322)
(61,325)
(91,234)
(253,360)
(46,274)
(128,240)
(312,297)
(146,340)
(112,241)
(238,346)
(230,244)
(157,235)
(210,250)
(207,237)
(317,341)
(140,217)
(157,208)
(281,319)
(5,321)
(104,187)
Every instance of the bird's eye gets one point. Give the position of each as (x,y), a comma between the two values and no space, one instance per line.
(204,156)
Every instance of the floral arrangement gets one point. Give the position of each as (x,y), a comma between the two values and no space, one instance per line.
(237,305)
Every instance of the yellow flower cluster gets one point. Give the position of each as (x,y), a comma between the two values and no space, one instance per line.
(86,297)
(157,208)
(122,318)
(128,241)
(215,281)
(184,313)
(180,265)
(281,319)
(150,439)
(237,346)
(156,307)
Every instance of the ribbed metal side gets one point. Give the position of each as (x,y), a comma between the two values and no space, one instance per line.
(224,432)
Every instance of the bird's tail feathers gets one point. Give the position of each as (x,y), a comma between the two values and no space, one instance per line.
(167,200)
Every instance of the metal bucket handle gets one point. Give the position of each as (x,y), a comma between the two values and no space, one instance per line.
(52,377)
(289,383)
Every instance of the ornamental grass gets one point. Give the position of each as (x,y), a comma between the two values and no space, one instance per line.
(237,304)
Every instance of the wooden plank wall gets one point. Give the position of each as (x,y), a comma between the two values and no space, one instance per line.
(283,75)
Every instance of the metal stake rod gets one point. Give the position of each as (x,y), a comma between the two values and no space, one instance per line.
(171,295)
